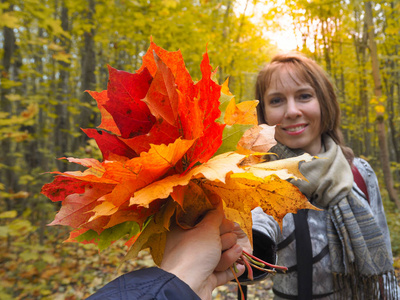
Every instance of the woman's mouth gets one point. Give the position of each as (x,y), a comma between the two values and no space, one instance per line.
(295,129)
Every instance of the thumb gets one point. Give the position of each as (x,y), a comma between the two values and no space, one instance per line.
(213,218)
(225,276)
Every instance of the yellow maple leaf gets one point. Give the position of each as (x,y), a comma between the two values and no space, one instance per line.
(244,219)
(243,113)
(225,87)
(275,196)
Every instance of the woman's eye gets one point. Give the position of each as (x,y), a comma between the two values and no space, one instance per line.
(305,96)
(275,100)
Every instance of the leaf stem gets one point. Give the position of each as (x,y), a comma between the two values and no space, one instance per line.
(237,280)
(252,257)
(248,267)
(271,271)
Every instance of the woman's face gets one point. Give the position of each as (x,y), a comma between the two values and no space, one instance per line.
(294,108)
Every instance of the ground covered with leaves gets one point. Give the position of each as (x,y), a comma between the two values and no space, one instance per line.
(71,271)
(31,268)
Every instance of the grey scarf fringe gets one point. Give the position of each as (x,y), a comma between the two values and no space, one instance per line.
(359,287)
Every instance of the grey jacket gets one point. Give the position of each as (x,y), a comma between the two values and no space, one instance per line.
(266,228)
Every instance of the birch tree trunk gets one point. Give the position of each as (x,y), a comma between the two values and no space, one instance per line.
(384,153)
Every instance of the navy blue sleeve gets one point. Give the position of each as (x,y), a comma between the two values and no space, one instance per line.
(145,284)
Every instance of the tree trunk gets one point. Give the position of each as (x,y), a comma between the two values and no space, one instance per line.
(88,59)
(384,153)
(325,38)
(7,146)
(361,48)
(234,79)
(389,84)
(397,135)
(363,91)
(225,35)
(87,117)
(62,126)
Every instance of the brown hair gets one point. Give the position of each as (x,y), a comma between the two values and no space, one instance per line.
(304,69)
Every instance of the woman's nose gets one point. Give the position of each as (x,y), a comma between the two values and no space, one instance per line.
(292,109)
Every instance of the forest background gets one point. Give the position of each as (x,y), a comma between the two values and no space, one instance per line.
(54,50)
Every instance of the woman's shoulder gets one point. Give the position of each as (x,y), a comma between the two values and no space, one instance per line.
(370,179)
(363,167)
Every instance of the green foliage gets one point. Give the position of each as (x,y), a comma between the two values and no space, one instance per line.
(231,134)
(16,228)
(108,236)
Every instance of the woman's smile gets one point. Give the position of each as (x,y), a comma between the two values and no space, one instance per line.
(294,129)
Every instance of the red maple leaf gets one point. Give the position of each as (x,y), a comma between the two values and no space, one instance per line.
(208,103)
(125,92)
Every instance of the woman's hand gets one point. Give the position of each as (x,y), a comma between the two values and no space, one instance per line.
(202,256)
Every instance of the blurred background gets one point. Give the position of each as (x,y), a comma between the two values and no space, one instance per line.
(53,50)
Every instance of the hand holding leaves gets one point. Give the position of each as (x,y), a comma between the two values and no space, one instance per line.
(206,267)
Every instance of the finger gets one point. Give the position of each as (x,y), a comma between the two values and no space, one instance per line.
(212,219)
(226,226)
(229,257)
(238,230)
(228,240)
(242,239)
(223,277)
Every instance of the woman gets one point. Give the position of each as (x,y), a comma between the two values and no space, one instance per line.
(343,250)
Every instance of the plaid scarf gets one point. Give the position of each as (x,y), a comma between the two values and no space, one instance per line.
(361,265)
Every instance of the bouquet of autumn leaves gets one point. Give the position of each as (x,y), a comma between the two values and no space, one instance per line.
(169,155)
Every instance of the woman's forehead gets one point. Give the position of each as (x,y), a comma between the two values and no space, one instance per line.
(286,76)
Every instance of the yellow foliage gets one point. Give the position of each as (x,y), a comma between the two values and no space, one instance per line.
(380,109)
(8,20)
